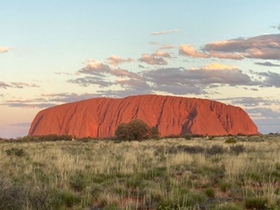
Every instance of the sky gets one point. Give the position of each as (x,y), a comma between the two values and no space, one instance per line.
(54,52)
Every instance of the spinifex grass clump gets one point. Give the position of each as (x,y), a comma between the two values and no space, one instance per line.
(16,152)
(151,174)
(231,140)
(237,149)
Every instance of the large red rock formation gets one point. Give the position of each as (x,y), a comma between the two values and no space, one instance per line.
(100,117)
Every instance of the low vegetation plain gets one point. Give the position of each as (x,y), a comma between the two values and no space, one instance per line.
(220,173)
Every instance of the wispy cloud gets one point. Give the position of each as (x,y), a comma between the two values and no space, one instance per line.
(91,80)
(97,74)
(216,66)
(269,79)
(164,32)
(49,100)
(22,124)
(152,60)
(4,85)
(22,85)
(4,49)
(233,56)
(34,103)
(190,51)
(116,60)
(67,97)
(63,73)
(249,101)
(197,80)
(276,27)
(163,46)
(263,112)
(267,63)
(171,80)
(259,47)
(16,85)
(162,54)
(135,84)
(99,69)
(156,58)
(174,80)
(122,92)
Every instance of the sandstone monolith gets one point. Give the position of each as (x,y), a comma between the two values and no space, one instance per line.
(99,117)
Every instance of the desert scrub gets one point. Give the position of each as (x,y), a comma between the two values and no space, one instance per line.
(237,149)
(260,203)
(231,140)
(12,196)
(215,149)
(210,192)
(150,174)
(16,152)
(185,149)
(228,206)
(224,185)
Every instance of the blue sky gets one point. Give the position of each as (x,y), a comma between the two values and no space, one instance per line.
(53,52)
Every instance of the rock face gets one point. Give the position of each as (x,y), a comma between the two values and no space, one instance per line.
(100,117)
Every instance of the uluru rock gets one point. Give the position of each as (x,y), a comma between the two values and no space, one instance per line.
(100,117)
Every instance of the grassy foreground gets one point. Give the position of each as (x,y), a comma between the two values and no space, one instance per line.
(153,174)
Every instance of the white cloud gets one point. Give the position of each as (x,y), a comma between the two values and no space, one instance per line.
(165,32)
(4,49)
(260,47)
(162,54)
(116,60)
(216,66)
(188,50)
(152,60)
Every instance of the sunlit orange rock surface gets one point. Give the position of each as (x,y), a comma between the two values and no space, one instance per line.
(99,117)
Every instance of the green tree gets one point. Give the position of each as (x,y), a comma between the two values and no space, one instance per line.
(135,130)
(122,131)
(154,133)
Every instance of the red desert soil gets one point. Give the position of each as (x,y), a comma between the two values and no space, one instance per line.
(99,117)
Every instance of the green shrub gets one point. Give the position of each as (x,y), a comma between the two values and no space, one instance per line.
(135,130)
(231,140)
(237,149)
(210,137)
(155,172)
(51,137)
(256,203)
(62,198)
(215,149)
(40,198)
(122,132)
(12,197)
(135,181)
(225,186)
(210,192)
(16,152)
(195,198)
(188,136)
(185,149)
(154,133)
(192,149)
(78,182)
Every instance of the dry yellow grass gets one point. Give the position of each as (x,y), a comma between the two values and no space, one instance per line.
(153,174)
